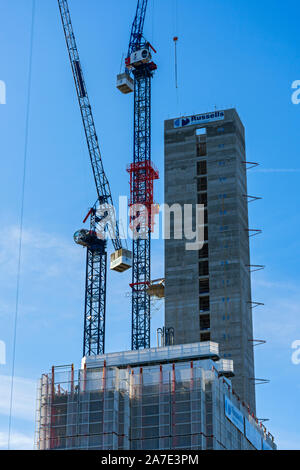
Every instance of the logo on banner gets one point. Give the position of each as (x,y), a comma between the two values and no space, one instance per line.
(199,119)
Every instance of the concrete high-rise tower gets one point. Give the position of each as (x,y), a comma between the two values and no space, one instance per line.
(208,292)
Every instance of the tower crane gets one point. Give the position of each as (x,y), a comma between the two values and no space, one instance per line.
(139,70)
(102,217)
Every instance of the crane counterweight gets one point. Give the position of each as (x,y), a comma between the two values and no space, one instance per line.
(125,83)
(121,260)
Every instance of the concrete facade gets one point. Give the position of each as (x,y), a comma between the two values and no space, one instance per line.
(208,292)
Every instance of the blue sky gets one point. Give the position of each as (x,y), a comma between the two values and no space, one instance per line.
(230,53)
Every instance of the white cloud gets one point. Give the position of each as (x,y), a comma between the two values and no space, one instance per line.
(2,353)
(42,253)
(270,284)
(278,320)
(277,170)
(24,398)
(18,441)
(48,262)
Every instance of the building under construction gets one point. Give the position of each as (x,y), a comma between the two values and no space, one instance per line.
(185,394)
(175,397)
(208,291)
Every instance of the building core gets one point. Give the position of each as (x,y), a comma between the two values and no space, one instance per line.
(208,291)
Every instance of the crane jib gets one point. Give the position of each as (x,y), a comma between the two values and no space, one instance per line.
(101,181)
(79,78)
(138,26)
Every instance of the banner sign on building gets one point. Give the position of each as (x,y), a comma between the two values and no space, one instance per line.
(253,435)
(199,119)
(234,415)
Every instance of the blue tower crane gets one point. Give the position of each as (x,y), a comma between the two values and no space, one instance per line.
(94,239)
(139,70)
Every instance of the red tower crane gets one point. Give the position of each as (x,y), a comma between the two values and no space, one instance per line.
(139,70)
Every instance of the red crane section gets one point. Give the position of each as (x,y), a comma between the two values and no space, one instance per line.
(142,176)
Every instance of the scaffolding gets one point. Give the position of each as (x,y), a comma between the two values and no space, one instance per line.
(169,405)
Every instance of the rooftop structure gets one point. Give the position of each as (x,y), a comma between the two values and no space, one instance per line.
(175,397)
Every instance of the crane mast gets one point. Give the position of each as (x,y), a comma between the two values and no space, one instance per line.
(96,263)
(142,173)
(95,291)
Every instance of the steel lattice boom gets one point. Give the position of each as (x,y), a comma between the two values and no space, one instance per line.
(96,263)
(101,181)
(136,36)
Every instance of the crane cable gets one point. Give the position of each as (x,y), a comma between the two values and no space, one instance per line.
(175,39)
(153,13)
(21,224)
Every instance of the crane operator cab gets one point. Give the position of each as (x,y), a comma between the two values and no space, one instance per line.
(138,58)
(89,239)
(125,83)
(121,260)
